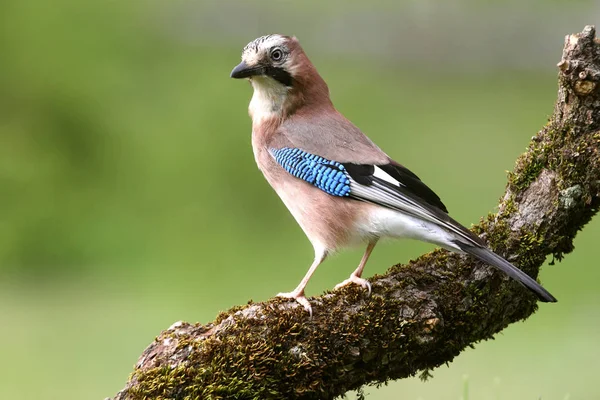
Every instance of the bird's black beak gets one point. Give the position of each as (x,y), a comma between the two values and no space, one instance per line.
(244,71)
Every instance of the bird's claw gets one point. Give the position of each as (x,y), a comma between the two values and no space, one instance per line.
(356,280)
(300,298)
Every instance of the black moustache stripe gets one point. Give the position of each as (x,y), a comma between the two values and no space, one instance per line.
(280,75)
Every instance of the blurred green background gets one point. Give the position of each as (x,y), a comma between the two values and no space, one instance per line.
(129,197)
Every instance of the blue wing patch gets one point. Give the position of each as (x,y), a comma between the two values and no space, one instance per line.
(329,176)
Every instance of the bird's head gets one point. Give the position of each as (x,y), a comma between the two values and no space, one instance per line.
(283,77)
(269,57)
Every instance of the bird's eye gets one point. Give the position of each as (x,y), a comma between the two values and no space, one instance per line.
(277,55)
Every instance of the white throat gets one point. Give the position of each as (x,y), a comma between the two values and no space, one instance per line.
(268,98)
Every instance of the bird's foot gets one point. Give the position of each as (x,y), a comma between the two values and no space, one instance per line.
(300,298)
(356,280)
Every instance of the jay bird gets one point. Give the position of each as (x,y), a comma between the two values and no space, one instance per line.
(340,187)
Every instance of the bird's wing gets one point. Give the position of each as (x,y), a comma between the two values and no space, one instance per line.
(402,176)
(395,187)
(331,136)
(389,185)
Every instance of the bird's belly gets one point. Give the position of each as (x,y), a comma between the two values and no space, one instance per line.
(328,221)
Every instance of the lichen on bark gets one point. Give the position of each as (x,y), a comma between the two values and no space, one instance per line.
(420,315)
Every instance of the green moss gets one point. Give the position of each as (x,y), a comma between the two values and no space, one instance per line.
(558,148)
(509,206)
(425,375)
(496,229)
(530,164)
(222,316)
(532,251)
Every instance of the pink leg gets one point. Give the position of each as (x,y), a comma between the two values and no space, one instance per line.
(355,277)
(298,293)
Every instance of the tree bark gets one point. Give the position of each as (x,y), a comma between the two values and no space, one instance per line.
(420,315)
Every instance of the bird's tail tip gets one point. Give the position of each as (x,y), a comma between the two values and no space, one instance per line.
(493,259)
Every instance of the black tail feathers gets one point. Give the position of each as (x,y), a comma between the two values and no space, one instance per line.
(495,260)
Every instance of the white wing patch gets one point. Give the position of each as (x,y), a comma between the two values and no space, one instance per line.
(381,174)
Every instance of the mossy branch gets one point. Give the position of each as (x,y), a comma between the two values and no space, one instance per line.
(420,315)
